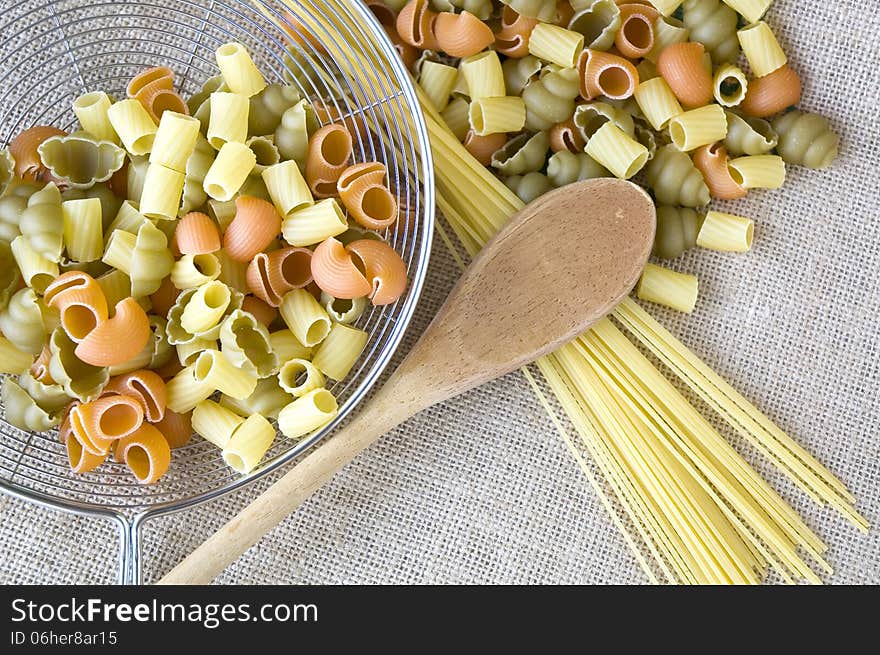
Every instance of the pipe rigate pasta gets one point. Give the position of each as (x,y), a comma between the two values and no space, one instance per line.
(747,135)
(605,74)
(255,225)
(772,93)
(144,386)
(383,268)
(24,149)
(81,307)
(681,65)
(714,24)
(525,153)
(530,186)
(461,35)
(711,161)
(675,180)
(117,339)
(667,30)
(197,234)
(146,453)
(330,150)
(364,192)
(244,341)
(80,459)
(543,10)
(176,428)
(101,422)
(677,230)
(566,168)
(334,271)
(566,136)
(635,38)
(512,39)
(262,311)
(806,139)
(79,379)
(550,98)
(415,25)
(483,148)
(271,275)
(43,222)
(160,76)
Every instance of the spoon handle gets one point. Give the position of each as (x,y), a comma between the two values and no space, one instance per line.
(383,413)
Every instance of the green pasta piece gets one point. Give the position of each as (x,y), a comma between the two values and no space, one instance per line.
(265,151)
(482,9)
(648,138)
(714,24)
(675,180)
(255,187)
(9,275)
(197,166)
(79,161)
(749,136)
(268,106)
(590,116)
(11,208)
(522,154)
(519,72)
(25,321)
(244,341)
(78,379)
(177,334)
(806,139)
(50,397)
(137,173)
(161,350)
(213,84)
(267,399)
(599,22)
(550,99)
(23,412)
(543,10)
(677,230)
(529,186)
(151,260)
(567,167)
(43,222)
(292,136)
(7,170)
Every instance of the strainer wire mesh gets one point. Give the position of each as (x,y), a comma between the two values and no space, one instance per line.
(55,51)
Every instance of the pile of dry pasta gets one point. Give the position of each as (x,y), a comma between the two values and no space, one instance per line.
(691,508)
(546,93)
(165,273)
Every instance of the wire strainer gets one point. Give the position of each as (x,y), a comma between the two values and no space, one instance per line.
(53,51)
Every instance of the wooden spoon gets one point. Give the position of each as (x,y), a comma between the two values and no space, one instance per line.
(560,265)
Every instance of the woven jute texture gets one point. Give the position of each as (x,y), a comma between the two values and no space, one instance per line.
(483,490)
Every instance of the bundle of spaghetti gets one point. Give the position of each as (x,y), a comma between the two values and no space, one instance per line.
(701,511)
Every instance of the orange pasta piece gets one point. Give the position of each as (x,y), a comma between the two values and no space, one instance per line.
(69,281)
(164,297)
(367,198)
(23,148)
(329,152)
(483,147)
(80,302)
(564,13)
(681,65)
(328,112)
(146,452)
(146,387)
(336,273)
(176,428)
(118,339)
(383,268)
(157,101)
(772,93)
(197,234)
(565,136)
(80,459)
(512,39)
(168,370)
(255,225)
(119,182)
(605,74)
(415,25)
(40,368)
(271,275)
(301,35)
(635,38)
(462,35)
(711,161)
(386,16)
(103,421)
(160,76)
(262,311)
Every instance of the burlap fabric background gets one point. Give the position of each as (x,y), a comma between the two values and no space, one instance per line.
(483,490)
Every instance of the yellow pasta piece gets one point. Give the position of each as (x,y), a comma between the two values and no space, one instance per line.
(287,187)
(229,119)
(497,115)
(307,320)
(665,287)
(285,344)
(127,219)
(752,10)
(556,44)
(437,81)
(299,376)
(617,151)
(239,71)
(83,236)
(726,232)
(213,369)
(657,102)
(698,127)
(194,270)
(314,223)
(13,360)
(175,141)
(184,392)
(483,75)
(339,351)
(214,422)
(249,443)
(758,171)
(36,270)
(730,85)
(188,352)
(666,7)
(456,117)
(134,126)
(92,111)
(761,48)
(230,170)
(206,307)
(304,415)
(163,189)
